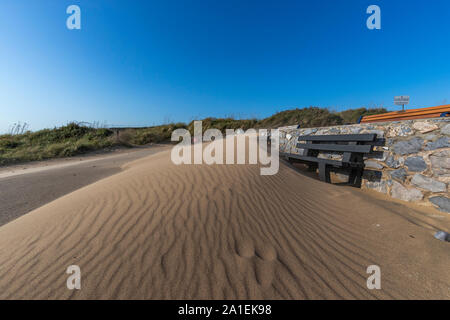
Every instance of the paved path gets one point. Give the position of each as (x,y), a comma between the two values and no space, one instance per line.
(23,190)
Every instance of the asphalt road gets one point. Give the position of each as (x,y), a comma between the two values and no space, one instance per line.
(24,192)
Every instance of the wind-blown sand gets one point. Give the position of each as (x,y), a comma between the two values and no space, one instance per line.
(160,231)
(26,187)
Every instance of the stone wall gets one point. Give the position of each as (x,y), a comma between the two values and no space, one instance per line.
(412,165)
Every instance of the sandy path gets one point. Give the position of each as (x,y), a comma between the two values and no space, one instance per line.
(157,230)
(26,187)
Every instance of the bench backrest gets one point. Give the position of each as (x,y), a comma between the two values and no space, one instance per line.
(349,144)
(369,137)
(423,113)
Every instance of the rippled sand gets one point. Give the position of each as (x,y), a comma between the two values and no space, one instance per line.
(160,231)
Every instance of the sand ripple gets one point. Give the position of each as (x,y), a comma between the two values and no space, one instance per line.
(160,231)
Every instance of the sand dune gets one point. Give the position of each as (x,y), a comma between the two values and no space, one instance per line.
(160,231)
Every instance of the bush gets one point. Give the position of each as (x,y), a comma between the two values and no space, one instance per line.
(352,115)
(65,141)
(306,118)
(74,138)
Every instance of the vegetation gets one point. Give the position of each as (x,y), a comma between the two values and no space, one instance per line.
(223,124)
(306,118)
(52,143)
(316,117)
(352,115)
(20,145)
(142,136)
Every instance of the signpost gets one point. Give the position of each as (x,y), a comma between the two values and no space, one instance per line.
(401,101)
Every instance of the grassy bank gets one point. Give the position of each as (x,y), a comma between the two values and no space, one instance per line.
(53,143)
(74,139)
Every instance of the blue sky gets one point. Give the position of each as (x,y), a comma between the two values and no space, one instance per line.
(145,62)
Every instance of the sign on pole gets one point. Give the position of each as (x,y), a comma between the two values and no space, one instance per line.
(401,101)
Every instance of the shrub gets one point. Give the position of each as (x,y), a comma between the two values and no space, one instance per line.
(75,138)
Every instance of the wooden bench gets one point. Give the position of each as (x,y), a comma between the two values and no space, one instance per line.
(423,113)
(353,147)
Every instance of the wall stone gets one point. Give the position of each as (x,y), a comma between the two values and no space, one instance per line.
(446,130)
(443,203)
(427,183)
(416,164)
(438,144)
(412,165)
(399,191)
(440,163)
(409,146)
(399,174)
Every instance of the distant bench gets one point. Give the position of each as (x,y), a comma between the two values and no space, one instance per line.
(423,113)
(352,146)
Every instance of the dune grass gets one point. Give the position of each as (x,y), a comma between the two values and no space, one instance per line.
(65,141)
(74,139)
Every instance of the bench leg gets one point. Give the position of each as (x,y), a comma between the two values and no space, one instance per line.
(358,179)
(324,172)
(355,177)
(352,176)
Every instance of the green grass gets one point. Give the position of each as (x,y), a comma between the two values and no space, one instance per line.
(316,117)
(306,118)
(142,136)
(65,141)
(74,139)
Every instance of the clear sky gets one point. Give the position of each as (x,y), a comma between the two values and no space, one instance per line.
(145,62)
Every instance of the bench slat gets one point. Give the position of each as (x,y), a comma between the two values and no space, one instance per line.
(421,113)
(336,163)
(364,148)
(378,142)
(405,117)
(343,137)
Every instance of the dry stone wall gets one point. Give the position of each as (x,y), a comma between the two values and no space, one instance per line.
(412,165)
